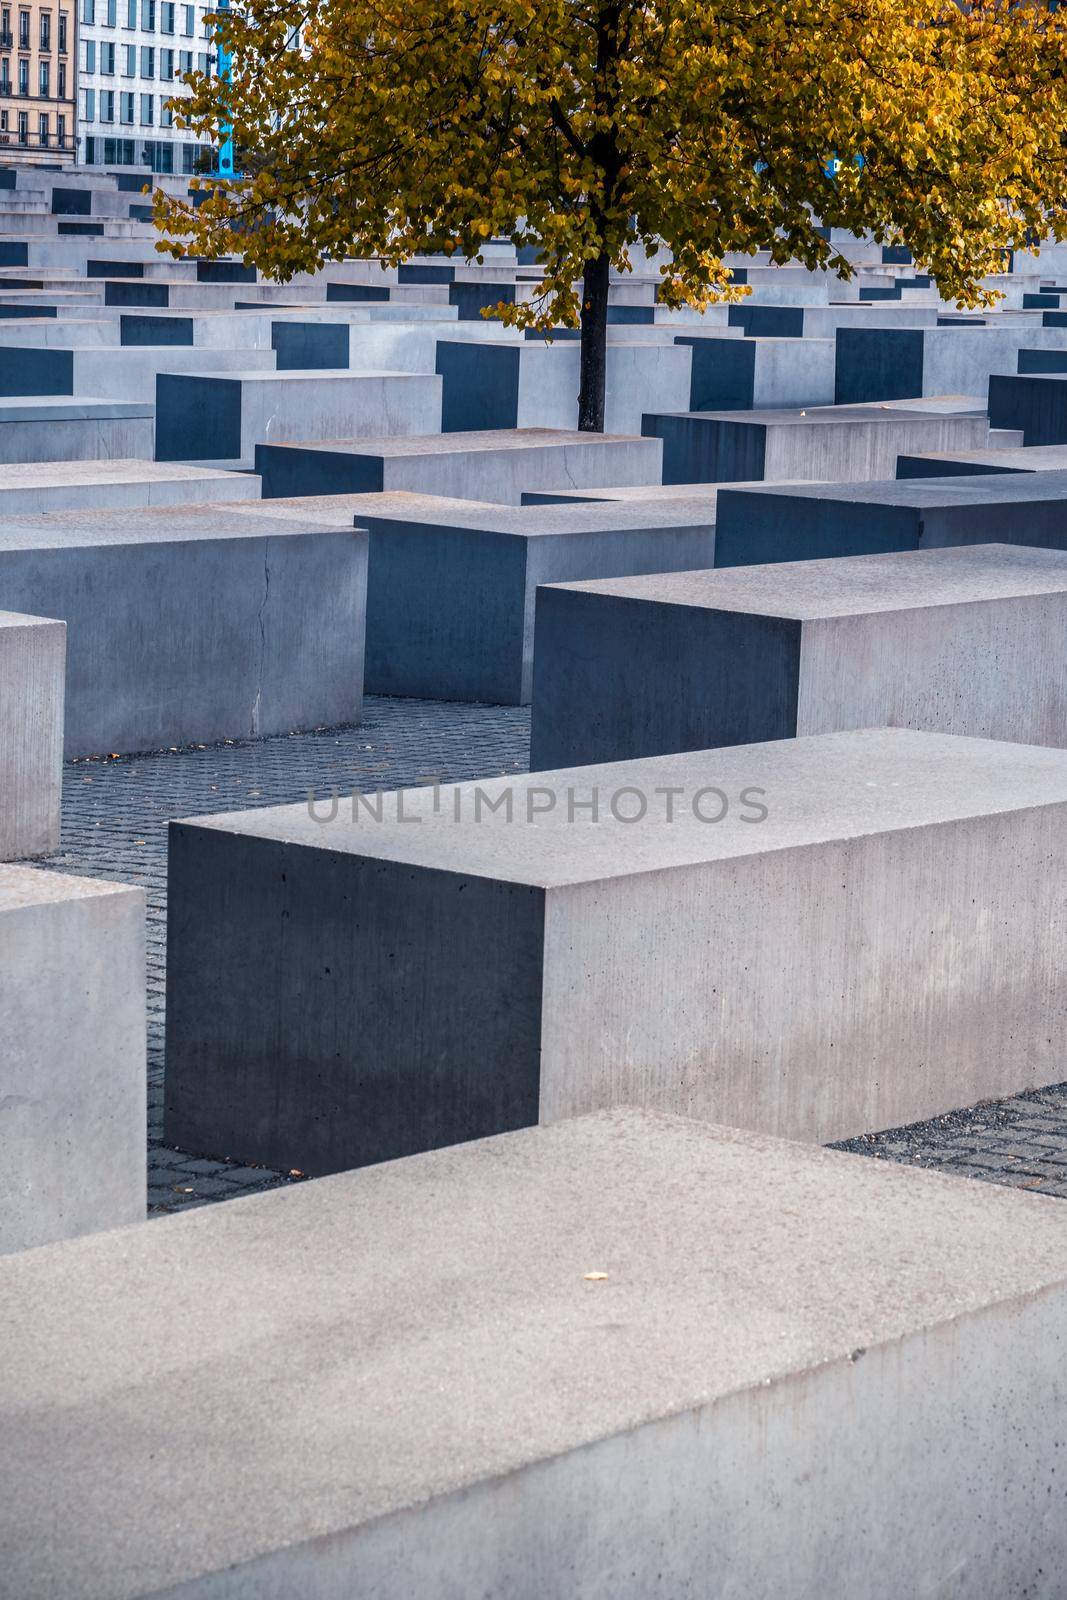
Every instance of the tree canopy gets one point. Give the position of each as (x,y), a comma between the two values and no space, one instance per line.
(692,128)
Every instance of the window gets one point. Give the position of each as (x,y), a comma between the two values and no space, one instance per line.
(129,60)
(89,11)
(148,103)
(188,21)
(107,57)
(24,30)
(5,28)
(107,105)
(42,128)
(131,13)
(24,127)
(148,61)
(90,55)
(5,78)
(148,15)
(61,132)
(61,86)
(203,61)
(62,33)
(90,105)
(46,30)
(125,106)
(166,16)
(166,115)
(166,65)
(24,77)
(43,80)
(3,123)
(112,13)
(185,61)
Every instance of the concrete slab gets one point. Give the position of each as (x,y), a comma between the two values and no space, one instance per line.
(115,374)
(496,465)
(798,523)
(973,463)
(1037,405)
(893,363)
(828,442)
(962,641)
(535,385)
(451,583)
(72,1058)
(204,417)
(32,667)
(344,986)
(38,487)
(41,428)
(193,623)
(779,1335)
(753,373)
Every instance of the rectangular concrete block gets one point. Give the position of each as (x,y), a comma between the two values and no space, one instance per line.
(345,985)
(798,523)
(72,1058)
(974,463)
(119,374)
(793,1358)
(498,466)
(208,418)
(38,487)
(42,428)
(192,623)
(524,384)
(754,373)
(1037,405)
(961,641)
(451,584)
(830,442)
(876,364)
(32,666)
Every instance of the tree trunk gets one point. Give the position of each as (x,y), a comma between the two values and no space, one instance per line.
(594,344)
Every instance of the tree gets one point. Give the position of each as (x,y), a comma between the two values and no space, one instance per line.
(691,128)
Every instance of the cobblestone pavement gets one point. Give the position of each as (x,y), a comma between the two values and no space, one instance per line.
(115,815)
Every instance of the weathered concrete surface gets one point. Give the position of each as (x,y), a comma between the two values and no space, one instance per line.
(41,428)
(972,463)
(193,623)
(753,373)
(800,523)
(535,385)
(798,1364)
(964,641)
(828,442)
(72,1061)
(32,668)
(208,418)
(496,465)
(345,989)
(37,487)
(452,583)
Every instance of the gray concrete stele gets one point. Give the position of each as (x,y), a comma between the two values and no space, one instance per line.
(798,523)
(33,653)
(72,1057)
(608,1358)
(966,641)
(193,623)
(369,978)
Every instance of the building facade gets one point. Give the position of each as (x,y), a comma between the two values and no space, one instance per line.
(38,81)
(131,56)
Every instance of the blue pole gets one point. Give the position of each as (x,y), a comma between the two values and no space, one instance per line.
(224,68)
